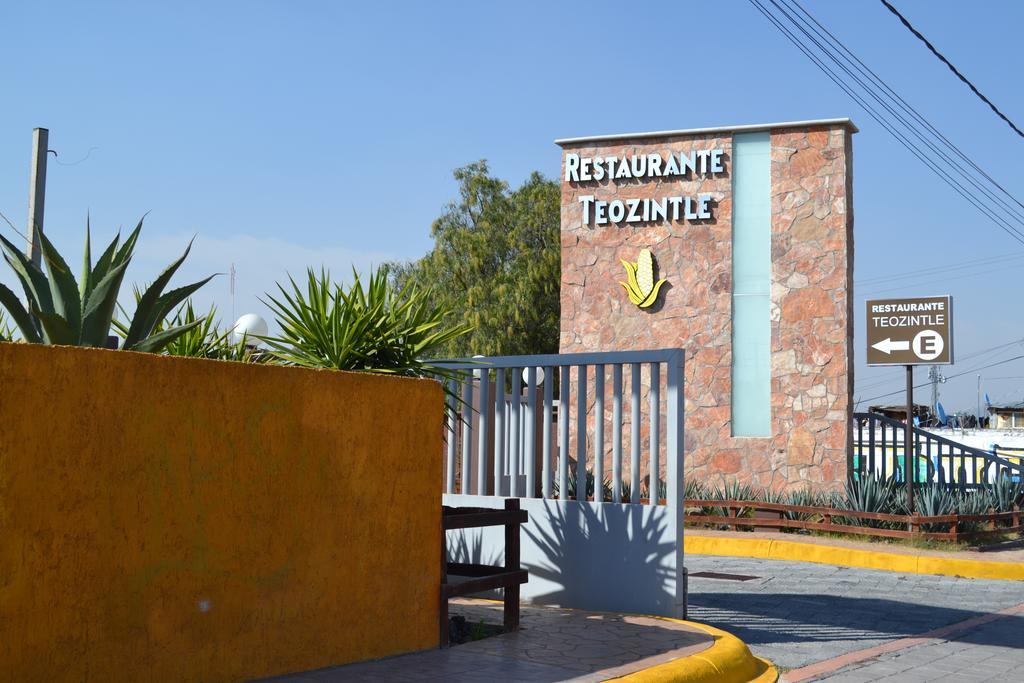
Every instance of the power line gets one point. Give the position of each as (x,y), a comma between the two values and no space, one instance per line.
(880,117)
(893,100)
(952,68)
(932,270)
(873,292)
(959,374)
(916,115)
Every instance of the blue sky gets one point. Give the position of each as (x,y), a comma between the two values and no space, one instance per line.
(288,134)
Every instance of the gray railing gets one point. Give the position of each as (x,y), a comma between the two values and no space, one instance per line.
(522,446)
(878,451)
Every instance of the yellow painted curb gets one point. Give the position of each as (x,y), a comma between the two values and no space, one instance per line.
(773,549)
(727,661)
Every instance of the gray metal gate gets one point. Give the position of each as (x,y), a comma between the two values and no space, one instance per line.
(618,548)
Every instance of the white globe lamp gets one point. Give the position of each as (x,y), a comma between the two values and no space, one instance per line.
(540,376)
(249,327)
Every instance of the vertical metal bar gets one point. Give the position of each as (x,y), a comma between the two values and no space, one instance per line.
(617,433)
(499,431)
(513,427)
(674,458)
(634,440)
(655,419)
(674,437)
(549,381)
(885,448)
(599,433)
(483,438)
(450,438)
(467,437)
(857,454)
(581,432)
(563,434)
(862,466)
(531,432)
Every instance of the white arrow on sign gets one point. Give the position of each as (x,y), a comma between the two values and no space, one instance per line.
(887,346)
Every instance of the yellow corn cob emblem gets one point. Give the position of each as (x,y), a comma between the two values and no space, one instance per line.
(640,285)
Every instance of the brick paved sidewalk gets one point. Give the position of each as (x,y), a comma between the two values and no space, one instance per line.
(798,613)
(992,650)
(552,645)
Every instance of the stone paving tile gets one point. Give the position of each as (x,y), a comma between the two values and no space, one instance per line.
(552,645)
(798,613)
(991,652)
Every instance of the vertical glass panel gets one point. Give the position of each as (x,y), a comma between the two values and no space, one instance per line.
(751,283)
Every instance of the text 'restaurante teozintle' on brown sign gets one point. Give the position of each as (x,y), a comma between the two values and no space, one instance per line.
(640,167)
(911,331)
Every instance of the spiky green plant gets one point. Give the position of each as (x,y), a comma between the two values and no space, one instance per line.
(730,491)
(694,489)
(1004,493)
(932,500)
(6,333)
(868,494)
(203,337)
(369,328)
(61,310)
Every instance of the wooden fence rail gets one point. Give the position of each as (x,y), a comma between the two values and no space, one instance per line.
(835,520)
(482,577)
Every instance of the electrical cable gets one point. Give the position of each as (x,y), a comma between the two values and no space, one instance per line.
(932,270)
(959,374)
(907,107)
(913,129)
(952,68)
(879,118)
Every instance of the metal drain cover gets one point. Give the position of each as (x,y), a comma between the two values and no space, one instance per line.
(724,577)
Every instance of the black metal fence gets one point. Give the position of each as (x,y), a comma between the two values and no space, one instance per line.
(879,451)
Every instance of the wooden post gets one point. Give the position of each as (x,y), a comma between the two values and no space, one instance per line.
(511,593)
(1015,520)
(954,528)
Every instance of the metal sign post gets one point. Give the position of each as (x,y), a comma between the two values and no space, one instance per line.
(909,442)
(909,332)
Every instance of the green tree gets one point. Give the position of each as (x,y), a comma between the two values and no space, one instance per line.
(495,264)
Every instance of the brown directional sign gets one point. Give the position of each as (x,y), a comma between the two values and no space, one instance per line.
(913,331)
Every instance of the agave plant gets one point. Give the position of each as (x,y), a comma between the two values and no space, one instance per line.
(370,328)
(203,337)
(1004,493)
(932,500)
(6,333)
(61,310)
(869,494)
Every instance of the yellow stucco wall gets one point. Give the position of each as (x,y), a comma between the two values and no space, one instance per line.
(178,519)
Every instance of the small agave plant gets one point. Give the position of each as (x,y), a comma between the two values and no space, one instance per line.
(61,310)
(641,287)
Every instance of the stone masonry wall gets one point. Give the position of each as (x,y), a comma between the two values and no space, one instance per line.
(811,310)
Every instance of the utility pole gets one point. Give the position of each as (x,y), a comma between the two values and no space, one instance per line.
(978,420)
(936,378)
(37,194)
